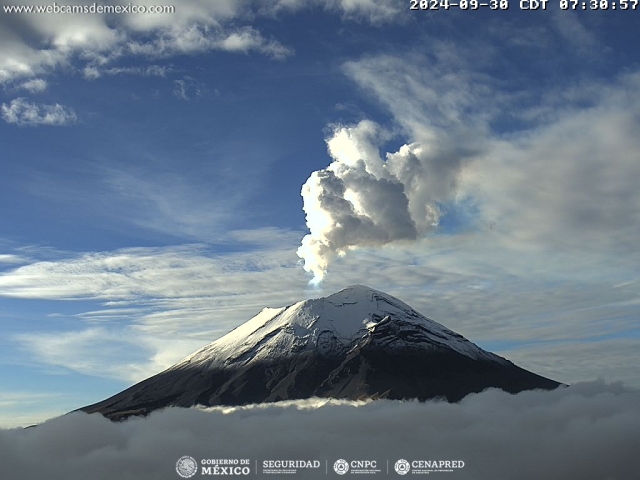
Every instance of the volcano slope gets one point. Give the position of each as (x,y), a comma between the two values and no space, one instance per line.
(356,344)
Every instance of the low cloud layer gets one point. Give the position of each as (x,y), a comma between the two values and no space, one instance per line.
(586,431)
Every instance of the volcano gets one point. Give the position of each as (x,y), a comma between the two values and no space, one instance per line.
(356,344)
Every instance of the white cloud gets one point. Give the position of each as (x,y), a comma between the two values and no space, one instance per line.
(180,90)
(36,45)
(148,71)
(10,258)
(585,431)
(35,85)
(433,96)
(22,112)
(568,184)
(249,39)
(187,87)
(376,11)
(201,38)
(372,11)
(561,183)
(128,274)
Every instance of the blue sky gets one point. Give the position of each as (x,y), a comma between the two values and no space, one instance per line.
(480,165)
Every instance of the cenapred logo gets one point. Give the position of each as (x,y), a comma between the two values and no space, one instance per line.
(341,466)
(186,466)
(402,467)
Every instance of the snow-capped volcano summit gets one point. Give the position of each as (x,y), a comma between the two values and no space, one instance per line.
(331,326)
(356,343)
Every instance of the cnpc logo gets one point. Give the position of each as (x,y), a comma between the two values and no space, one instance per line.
(341,466)
(356,466)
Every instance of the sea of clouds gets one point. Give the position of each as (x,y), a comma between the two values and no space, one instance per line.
(585,431)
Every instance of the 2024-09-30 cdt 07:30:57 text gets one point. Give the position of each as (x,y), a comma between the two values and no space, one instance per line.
(534,5)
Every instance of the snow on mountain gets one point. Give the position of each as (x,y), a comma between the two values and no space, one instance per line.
(335,322)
